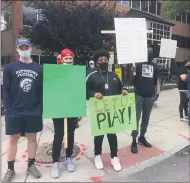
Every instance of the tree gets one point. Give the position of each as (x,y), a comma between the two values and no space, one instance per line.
(172,8)
(72,24)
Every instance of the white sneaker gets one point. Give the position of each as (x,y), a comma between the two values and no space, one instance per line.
(116,164)
(98,162)
(55,170)
(183,119)
(70,165)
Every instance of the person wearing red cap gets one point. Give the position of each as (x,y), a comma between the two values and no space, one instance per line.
(65,58)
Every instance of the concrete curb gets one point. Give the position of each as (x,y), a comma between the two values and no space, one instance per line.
(148,163)
(157,159)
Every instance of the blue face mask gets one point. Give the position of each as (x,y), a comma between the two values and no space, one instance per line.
(24,54)
(68,63)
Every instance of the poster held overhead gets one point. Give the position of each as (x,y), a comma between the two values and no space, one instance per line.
(168,48)
(131,40)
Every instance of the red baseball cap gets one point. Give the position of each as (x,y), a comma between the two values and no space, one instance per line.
(67,52)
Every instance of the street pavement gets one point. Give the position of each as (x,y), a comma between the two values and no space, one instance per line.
(166,133)
(173,169)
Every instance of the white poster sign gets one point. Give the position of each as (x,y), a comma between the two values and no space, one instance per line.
(168,48)
(131,40)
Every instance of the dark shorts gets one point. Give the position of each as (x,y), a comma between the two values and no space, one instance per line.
(16,124)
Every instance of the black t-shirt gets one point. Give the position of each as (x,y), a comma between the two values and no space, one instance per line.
(146,79)
(182,85)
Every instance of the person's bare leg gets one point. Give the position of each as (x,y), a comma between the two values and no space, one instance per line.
(11,154)
(32,145)
(12,147)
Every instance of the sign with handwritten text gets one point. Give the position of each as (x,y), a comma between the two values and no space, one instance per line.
(113,114)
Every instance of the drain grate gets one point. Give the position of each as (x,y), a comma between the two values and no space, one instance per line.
(44,153)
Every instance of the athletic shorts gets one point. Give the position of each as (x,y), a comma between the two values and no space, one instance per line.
(20,124)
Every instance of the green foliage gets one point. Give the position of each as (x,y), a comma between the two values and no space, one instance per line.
(73,25)
(172,8)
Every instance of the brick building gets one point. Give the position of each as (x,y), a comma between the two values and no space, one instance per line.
(15,15)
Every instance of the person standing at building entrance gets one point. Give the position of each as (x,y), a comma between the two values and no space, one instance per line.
(145,82)
(67,57)
(103,83)
(22,95)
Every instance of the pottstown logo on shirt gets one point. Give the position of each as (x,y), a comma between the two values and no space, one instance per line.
(28,77)
(147,71)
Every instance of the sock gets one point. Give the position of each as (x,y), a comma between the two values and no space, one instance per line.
(30,162)
(11,165)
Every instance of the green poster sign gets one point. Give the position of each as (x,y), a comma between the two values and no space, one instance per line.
(113,114)
(64,91)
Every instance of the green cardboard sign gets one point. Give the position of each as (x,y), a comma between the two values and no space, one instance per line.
(64,91)
(113,114)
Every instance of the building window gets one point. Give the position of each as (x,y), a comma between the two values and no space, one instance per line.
(124,3)
(136,4)
(152,7)
(160,31)
(188,18)
(178,18)
(144,5)
(182,42)
(6,17)
(159,8)
(188,42)
(30,15)
(183,17)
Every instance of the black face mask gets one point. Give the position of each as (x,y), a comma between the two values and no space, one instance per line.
(103,66)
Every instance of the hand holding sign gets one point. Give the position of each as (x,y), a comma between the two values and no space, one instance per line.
(124,92)
(98,95)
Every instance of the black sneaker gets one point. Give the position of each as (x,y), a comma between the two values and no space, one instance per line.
(134,147)
(8,176)
(142,141)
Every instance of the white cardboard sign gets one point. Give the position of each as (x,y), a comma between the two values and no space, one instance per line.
(168,48)
(131,40)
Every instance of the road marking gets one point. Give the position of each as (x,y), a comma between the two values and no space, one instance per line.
(187,138)
(96,179)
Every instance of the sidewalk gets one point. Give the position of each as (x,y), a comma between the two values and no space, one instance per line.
(165,132)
